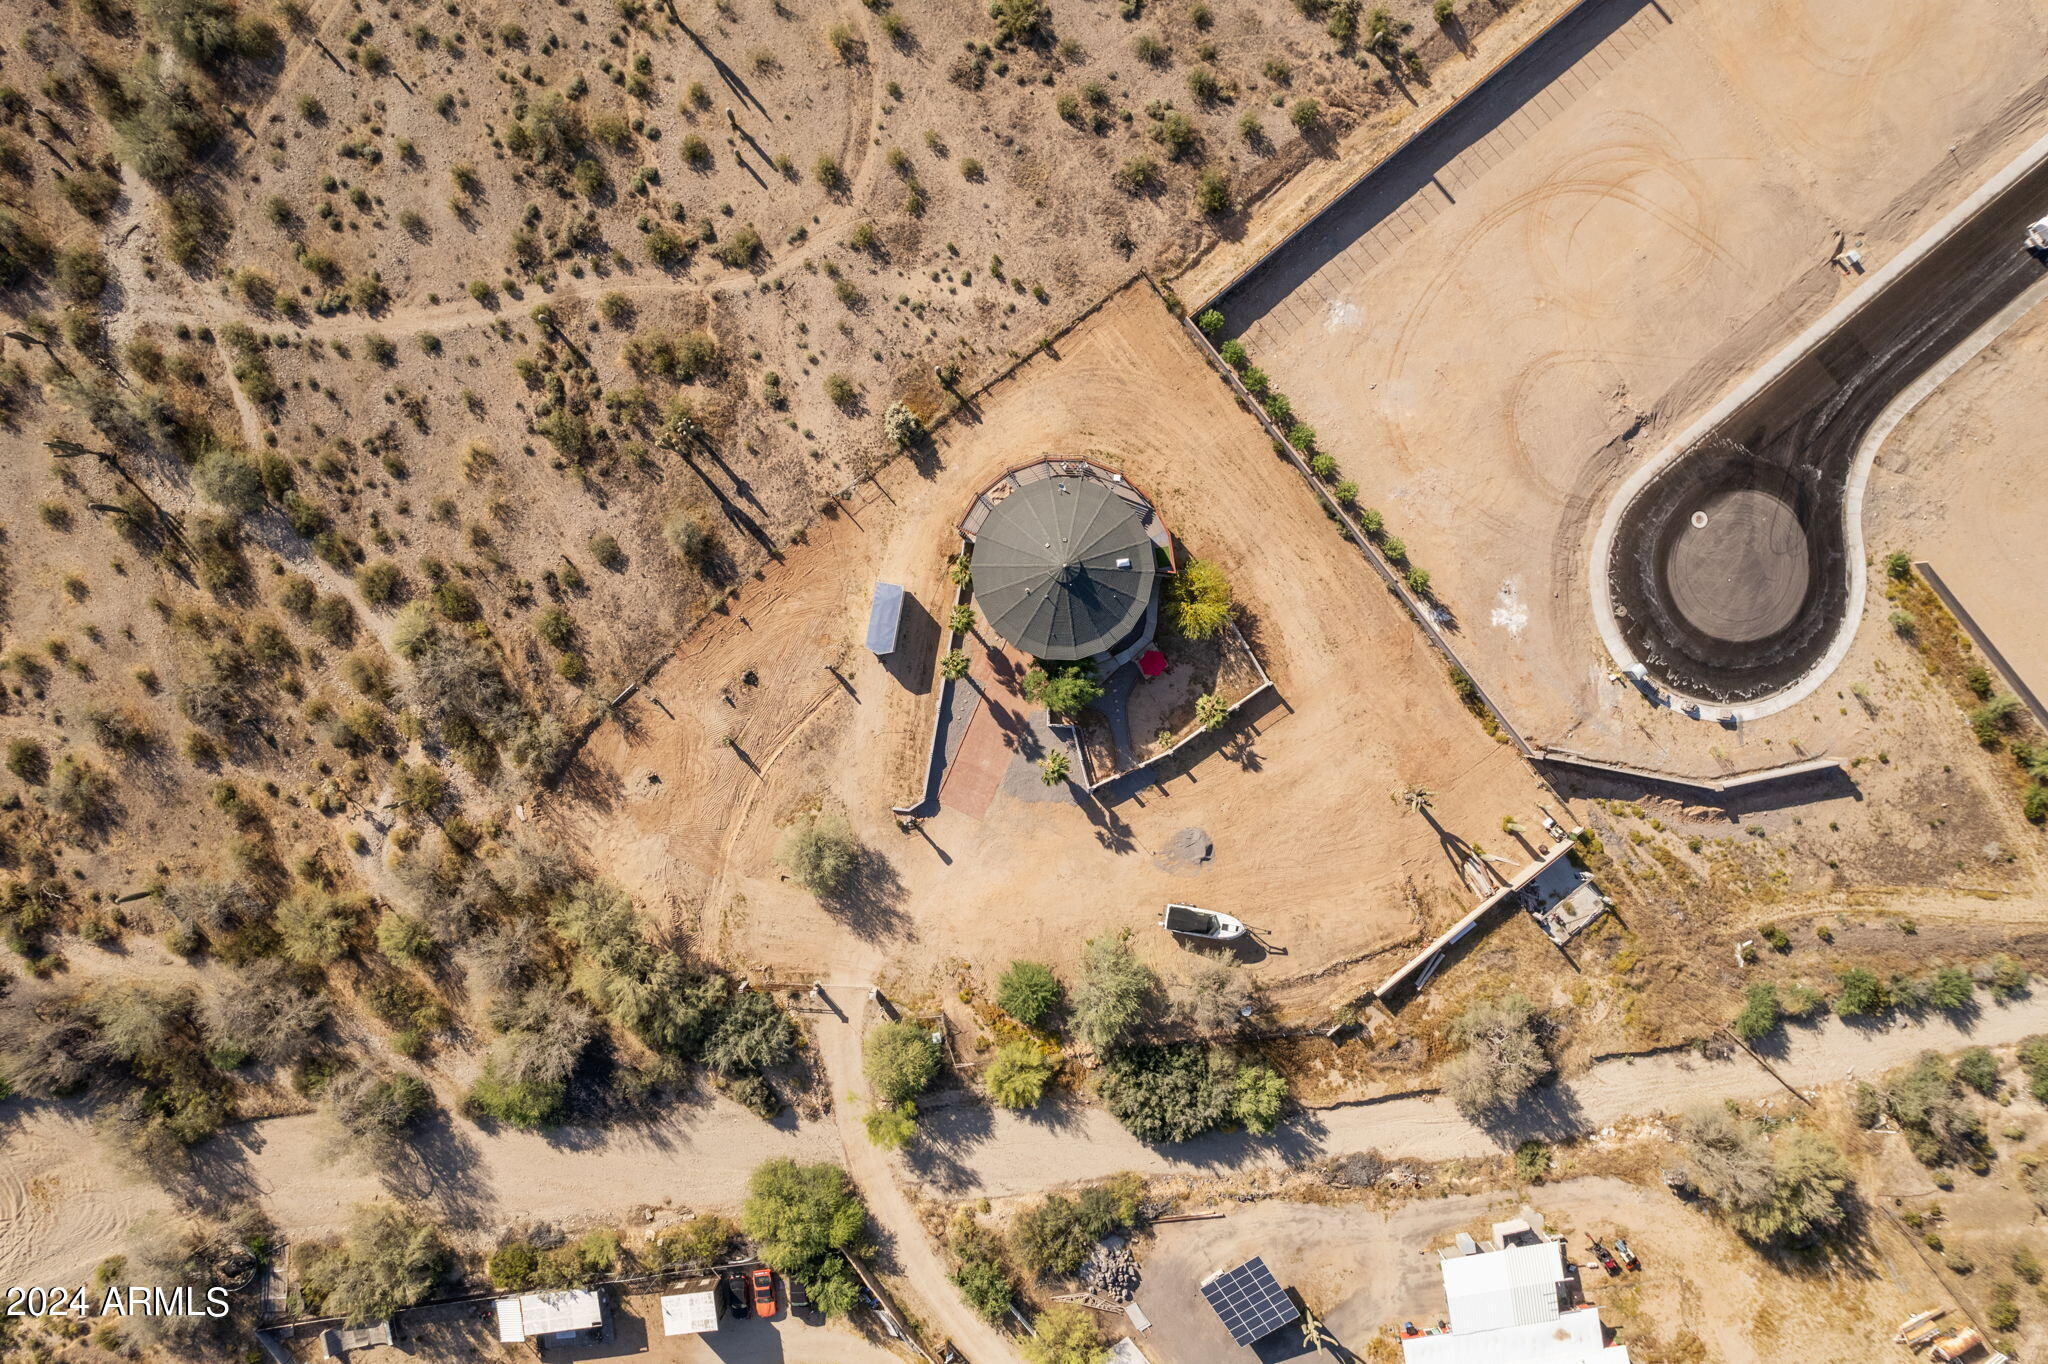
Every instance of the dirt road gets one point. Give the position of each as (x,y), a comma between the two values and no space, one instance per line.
(917,1259)
(979,1152)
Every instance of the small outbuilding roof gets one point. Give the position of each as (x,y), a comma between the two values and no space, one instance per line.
(1062,568)
(689,1314)
(1514,1286)
(546,1314)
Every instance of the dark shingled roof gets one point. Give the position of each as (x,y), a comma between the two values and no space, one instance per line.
(1062,568)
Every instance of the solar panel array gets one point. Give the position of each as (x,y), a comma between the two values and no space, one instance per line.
(1249,1301)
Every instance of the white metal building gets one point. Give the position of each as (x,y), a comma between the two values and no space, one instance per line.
(1513,1305)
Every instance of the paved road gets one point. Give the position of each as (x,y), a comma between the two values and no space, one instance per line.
(972,1152)
(1700,564)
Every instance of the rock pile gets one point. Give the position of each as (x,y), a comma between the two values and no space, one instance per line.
(1111,1270)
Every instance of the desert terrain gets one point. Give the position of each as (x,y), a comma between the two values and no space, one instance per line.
(449,454)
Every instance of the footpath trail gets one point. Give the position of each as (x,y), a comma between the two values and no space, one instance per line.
(972,1151)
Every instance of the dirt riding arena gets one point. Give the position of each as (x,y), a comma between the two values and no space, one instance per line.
(1552,306)
(1297,797)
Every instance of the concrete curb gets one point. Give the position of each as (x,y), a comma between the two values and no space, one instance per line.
(1852,507)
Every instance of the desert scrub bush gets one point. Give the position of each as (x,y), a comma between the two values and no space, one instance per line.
(1212,194)
(1019,21)
(390,1258)
(1054,1235)
(982,1273)
(1137,175)
(1789,1188)
(1860,994)
(821,852)
(1306,114)
(1018,1074)
(371,1114)
(741,249)
(381,583)
(1028,991)
(841,389)
(1503,1056)
(1760,1013)
(1115,992)
(1926,1100)
(902,426)
(900,1061)
(692,539)
(703,1240)
(91,192)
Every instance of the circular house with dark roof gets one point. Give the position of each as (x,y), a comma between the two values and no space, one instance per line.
(1066,558)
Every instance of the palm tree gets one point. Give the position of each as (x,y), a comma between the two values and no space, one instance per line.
(1417,798)
(1052,768)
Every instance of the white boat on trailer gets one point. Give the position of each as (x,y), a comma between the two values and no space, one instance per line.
(1191,922)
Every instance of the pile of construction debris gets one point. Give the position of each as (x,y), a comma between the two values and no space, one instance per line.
(1111,1271)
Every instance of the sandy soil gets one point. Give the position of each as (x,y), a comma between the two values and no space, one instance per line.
(1957,485)
(693,827)
(1514,357)
(1365,1272)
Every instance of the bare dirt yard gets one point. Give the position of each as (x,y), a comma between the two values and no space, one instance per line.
(1957,485)
(1310,845)
(1500,349)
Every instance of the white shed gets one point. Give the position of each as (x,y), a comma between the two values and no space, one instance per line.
(692,1312)
(533,1316)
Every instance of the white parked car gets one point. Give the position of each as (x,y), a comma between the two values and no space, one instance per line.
(2037,236)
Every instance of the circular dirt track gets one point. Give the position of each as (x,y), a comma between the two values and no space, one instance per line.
(1737,568)
(1732,570)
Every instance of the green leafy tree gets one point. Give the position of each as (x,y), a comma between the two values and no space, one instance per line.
(1062,688)
(798,1215)
(1198,599)
(754,1034)
(901,1059)
(1256,1098)
(1028,991)
(390,1258)
(1170,1093)
(893,1127)
(1790,1189)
